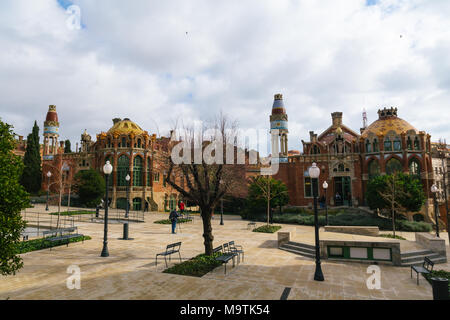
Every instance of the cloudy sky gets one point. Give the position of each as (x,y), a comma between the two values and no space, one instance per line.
(157,62)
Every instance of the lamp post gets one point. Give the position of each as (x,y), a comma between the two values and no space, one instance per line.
(107,169)
(434,190)
(221,207)
(314,173)
(325,187)
(49,174)
(127,208)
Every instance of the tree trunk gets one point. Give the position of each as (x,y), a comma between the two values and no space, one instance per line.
(207,230)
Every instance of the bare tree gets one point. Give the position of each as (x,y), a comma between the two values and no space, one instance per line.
(267,193)
(391,194)
(203,176)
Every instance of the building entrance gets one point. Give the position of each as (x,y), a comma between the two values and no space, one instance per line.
(342,191)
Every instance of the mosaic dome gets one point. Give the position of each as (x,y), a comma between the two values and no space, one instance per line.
(125,126)
(388,121)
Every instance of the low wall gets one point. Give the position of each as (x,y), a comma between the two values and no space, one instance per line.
(361,251)
(284,236)
(431,242)
(365,231)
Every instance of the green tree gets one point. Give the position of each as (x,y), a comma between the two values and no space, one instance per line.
(67,147)
(32,173)
(90,187)
(264,192)
(13,198)
(409,190)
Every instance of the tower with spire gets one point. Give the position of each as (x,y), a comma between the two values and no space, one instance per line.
(279,130)
(51,133)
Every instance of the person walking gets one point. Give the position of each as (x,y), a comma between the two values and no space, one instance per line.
(173,218)
(181,207)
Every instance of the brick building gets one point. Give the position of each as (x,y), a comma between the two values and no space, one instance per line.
(348,160)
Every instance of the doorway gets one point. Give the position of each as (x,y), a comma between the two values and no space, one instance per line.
(343,191)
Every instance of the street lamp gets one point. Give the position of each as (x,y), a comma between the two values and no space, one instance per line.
(221,207)
(314,173)
(49,174)
(127,208)
(107,169)
(434,190)
(325,187)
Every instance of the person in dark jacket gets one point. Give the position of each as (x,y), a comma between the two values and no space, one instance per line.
(173,217)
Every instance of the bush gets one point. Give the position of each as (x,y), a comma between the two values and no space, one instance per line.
(267,229)
(197,266)
(342,218)
(414,226)
(391,236)
(40,244)
(72,213)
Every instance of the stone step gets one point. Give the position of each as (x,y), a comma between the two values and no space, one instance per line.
(419,258)
(436,260)
(302,245)
(299,249)
(302,253)
(415,253)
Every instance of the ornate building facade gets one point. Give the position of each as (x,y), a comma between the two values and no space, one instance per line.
(348,160)
(131,151)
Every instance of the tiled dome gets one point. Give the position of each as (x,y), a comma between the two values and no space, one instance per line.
(388,121)
(125,126)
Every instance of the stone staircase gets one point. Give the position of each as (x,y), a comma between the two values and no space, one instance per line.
(415,258)
(302,249)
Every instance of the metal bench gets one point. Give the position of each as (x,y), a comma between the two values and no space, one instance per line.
(226,255)
(234,249)
(426,268)
(65,235)
(251,224)
(170,249)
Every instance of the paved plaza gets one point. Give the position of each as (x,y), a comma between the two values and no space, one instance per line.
(130,272)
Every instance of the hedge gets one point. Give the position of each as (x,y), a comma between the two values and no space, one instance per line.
(197,266)
(267,229)
(40,244)
(167,221)
(345,219)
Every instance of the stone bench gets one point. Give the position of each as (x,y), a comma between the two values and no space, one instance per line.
(363,230)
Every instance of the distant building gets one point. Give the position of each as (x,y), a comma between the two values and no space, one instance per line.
(440,153)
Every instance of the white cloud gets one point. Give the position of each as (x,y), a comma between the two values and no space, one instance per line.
(159,61)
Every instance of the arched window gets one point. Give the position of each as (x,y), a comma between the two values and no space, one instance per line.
(397,144)
(137,171)
(414,167)
(393,165)
(368,146)
(315,150)
(148,172)
(139,143)
(123,167)
(387,144)
(123,143)
(374,169)
(375,145)
(409,143)
(416,144)
(341,167)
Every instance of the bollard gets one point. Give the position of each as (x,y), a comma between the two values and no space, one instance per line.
(125,231)
(440,288)
(97,209)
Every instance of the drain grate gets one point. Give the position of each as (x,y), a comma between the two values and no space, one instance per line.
(285,293)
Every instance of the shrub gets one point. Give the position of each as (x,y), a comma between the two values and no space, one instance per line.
(40,244)
(391,236)
(267,229)
(414,226)
(197,266)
